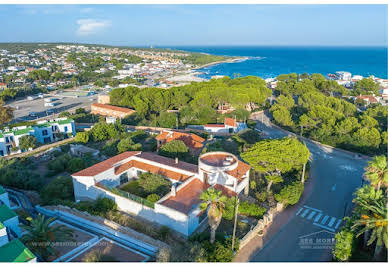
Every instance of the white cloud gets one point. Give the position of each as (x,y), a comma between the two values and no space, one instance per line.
(91,26)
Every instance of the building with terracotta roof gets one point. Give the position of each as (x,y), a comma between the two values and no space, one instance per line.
(369,99)
(192,141)
(230,125)
(110,110)
(178,209)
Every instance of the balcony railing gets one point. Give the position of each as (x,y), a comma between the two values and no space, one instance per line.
(127,195)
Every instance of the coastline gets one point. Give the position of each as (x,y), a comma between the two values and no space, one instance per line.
(230,60)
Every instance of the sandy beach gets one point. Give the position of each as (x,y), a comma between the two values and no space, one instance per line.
(231,60)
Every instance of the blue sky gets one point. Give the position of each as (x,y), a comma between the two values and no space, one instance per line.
(174,25)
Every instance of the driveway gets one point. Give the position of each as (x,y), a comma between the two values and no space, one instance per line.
(308,233)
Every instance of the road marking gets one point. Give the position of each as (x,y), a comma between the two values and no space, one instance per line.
(338,223)
(324,219)
(312,208)
(297,213)
(332,220)
(311,215)
(305,212)
(317,217)
(324,227)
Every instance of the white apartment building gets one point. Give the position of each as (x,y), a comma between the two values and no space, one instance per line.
(44,131)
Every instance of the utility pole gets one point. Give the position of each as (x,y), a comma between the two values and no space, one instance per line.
(236,202)
(304,169)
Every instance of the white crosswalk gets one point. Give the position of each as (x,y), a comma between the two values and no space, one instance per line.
(318,218)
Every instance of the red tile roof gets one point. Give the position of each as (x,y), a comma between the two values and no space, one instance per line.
(168,161)
(240,170)
(191,140)
(187,197)
(112,107)
(105,165)
(370,98)
(230,122)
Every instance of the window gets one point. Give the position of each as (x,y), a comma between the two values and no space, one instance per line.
(65,128)
(44,132)
(123,178)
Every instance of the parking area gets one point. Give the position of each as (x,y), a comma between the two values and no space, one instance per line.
(28,110)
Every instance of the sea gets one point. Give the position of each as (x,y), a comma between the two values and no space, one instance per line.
(269,62)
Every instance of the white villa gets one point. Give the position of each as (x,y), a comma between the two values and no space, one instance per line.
(178,209)
(44,131)
(230,125)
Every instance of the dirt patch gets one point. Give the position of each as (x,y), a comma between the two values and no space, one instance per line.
(111,251)
(61,248)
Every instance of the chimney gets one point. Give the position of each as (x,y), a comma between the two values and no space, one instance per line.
(173,190)
(176,160)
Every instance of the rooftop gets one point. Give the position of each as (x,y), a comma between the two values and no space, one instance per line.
(114,108)
(6,213)
(191,140)
(218,159)
(188,197)
(105,165)
(15,251)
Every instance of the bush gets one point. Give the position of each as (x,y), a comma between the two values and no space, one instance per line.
(103,205)
(154,184)
(60,188)
(164,231)
(75,165)
(251,209)
(26,142)
(261,196)
(82,137)
(110,148)
(221,253)
(59,164)
(343,245)
(173,149)
(153,197)
(290,194)
(127,144)
(132,187)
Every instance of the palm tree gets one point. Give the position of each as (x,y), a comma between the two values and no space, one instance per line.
(377,172)
(376,221)
(40,235)
(215,203)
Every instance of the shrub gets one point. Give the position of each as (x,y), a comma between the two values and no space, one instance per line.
(59,164)
(127,144)
(173,149)
(343,245)
(261,196)
(26,142)
(164,231)
(132,187)
(110,148)
(251,209)
(253,184)
(154,183)
(221,253)
(75,165)
(290,194)
(103,205)
(82,137)
(60,188)
(153,197)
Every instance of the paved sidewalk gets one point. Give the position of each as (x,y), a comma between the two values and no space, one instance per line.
(254,246)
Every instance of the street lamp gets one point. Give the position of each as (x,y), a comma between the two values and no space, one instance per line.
(236,203)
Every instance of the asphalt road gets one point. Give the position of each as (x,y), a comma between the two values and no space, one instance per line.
(308,235)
